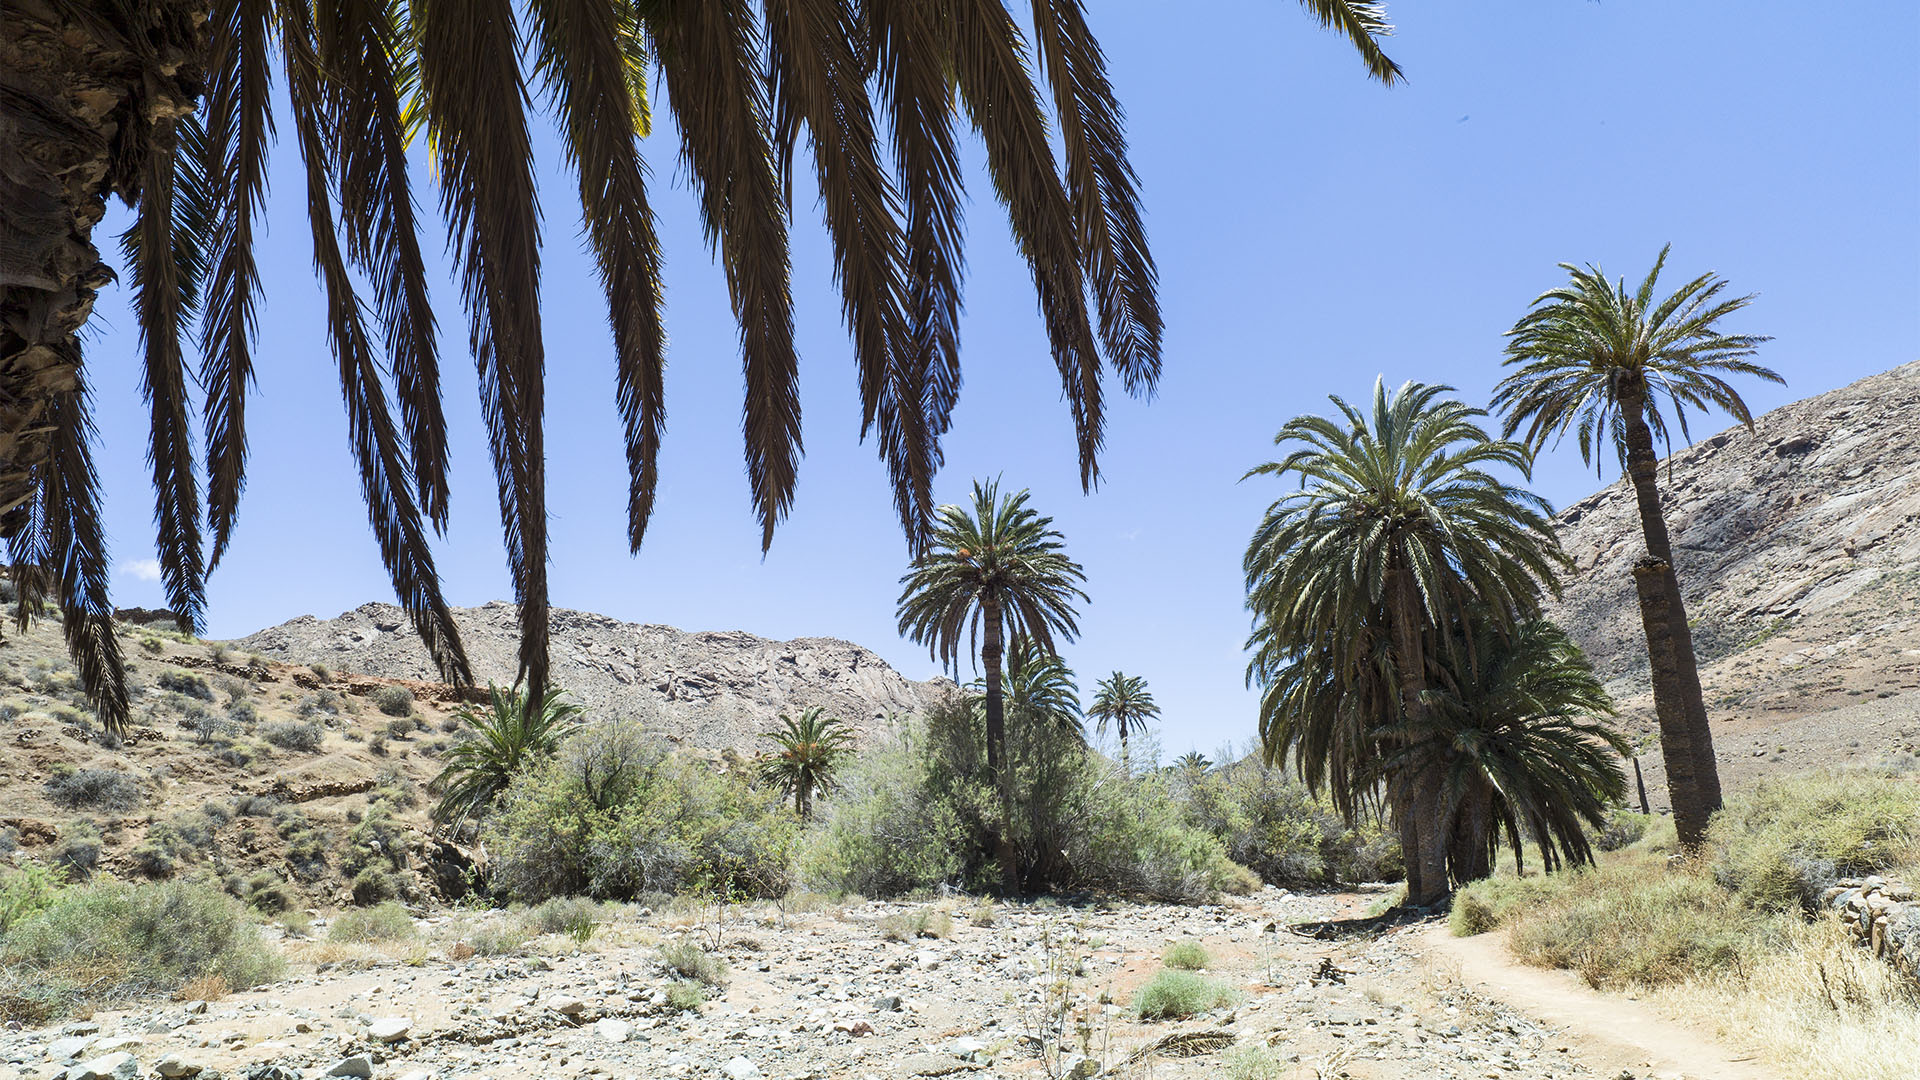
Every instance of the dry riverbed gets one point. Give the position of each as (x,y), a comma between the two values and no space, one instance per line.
(825,994)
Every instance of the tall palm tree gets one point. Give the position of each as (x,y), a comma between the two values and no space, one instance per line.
(1397,528)
(504,739)
(1125,702)
(1598,359)
(167,104)
(1512,743)
(810,750)
(992,571)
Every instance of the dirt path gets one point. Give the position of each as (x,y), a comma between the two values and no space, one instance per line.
(1609,1030)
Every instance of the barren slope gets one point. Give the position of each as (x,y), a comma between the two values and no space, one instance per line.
(713,690)
(1800,558)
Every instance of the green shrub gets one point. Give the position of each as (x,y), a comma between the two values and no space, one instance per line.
(563,915)
(612,815)
(324,703)
(27,891)
(1624,829)
(1486,905)
(918,811)
(243,715)
(687,960)
(100,944)
(95,789)
(298,735)
(373,885)
(266,892)
(1274,826)
(384,922)
(320,672)
(185,682)
(1172,995)
(394,700)
(1186,956)
(1256,1063)
(78,852)
(152,645)
(399,729)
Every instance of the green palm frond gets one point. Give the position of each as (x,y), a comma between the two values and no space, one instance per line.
(1039,689)
(496,745)
(1590,343)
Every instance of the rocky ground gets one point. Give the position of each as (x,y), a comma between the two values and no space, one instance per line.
(826,994)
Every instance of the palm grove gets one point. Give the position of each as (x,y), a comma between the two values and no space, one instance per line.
(1398,639)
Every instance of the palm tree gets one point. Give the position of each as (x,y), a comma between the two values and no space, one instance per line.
(990,572)
(811,749)
(1125,702)
(1398,528)
(1510,746)
(505,739)
(167,104)
(1192,764)
(1039,689)
(1598,359)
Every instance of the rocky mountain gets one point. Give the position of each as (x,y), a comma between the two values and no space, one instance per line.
(1798,546)
(712,690)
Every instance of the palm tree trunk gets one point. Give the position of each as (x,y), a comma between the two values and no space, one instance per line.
(1126,766)
(81,87)
(992,648)
(1421,809)
(1686,742)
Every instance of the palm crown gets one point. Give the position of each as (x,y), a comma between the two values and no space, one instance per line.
(810,749)
(1125,702)
(174,115)
(1039,688)
(504,740)
(1590,344)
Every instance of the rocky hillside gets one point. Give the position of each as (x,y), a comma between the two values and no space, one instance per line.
(713,690)
(1799,553)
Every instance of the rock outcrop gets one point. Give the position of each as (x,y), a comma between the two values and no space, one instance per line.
(711,690)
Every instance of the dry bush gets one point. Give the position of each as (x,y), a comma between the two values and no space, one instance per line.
(205,988)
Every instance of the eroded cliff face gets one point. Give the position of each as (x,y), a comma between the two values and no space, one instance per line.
(712,690)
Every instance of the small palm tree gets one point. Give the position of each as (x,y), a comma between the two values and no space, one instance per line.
(1598,359)
(1511,745)
(1399,526)
(991,571)
(1191,765)
(1039,689)
(810,750)
(1125,702)
(501,741)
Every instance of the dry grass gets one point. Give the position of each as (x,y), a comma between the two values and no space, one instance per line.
(205,988)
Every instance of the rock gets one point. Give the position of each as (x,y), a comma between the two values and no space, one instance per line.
(196,1008)
(613,1031)
(929,1065)
(968,1049)
(566,1006)
(739,1068)
(174,1067)
(855,1028)
(390,1029)
(887,1003)
(118,1065)
(68,1048)
(417,1074)
(359,1065)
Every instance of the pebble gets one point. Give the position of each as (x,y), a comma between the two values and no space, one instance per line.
(390,1029)
(613,1031)
(359,1065)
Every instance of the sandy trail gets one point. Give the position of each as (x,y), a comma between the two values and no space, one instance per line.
(1609,1030)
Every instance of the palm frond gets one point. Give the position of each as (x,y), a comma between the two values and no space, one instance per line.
(476,119)
(592,61)
(1364,23)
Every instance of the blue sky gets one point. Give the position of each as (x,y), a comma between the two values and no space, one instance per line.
(1312,229)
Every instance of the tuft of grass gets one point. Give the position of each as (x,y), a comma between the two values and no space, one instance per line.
(1173,995)
(1186,956)
(383,922)
(983,914)
(685,995)
(687,960)
(918,923)
(1255,1063)
(498,939)
(1778,845)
